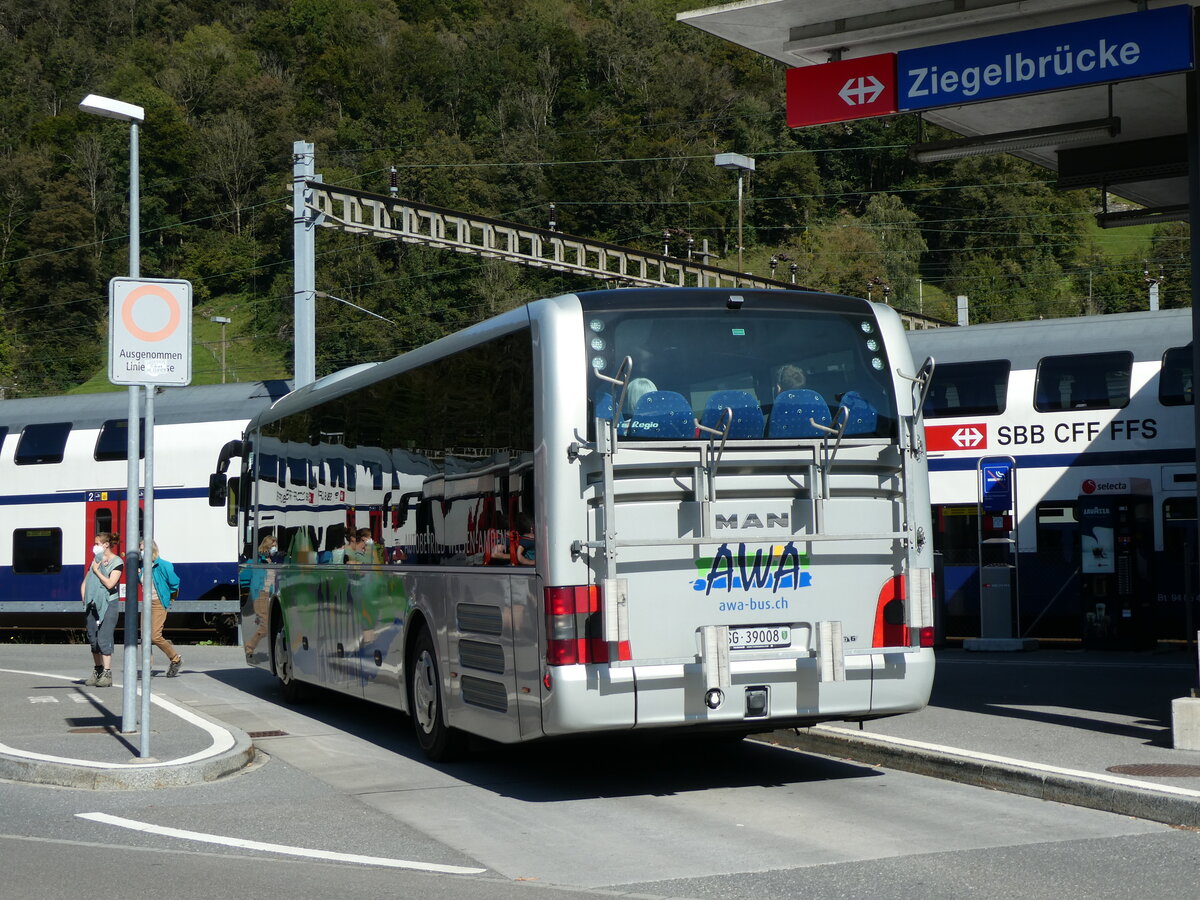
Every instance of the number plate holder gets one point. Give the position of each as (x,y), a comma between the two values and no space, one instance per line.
(760,637)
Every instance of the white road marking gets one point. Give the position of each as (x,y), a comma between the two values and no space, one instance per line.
(1096,777)
(222,739)
(43,699)
(277,848)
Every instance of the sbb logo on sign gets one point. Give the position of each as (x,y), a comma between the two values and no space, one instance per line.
(971,436)
(837,91)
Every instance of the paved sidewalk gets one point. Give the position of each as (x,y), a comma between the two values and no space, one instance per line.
(1049,723)
(55,730)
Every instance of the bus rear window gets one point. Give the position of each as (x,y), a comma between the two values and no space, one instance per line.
(767,373)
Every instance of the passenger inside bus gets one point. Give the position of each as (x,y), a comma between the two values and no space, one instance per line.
(512,548)
(360,551)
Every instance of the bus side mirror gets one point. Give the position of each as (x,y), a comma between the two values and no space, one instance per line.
(234,500)
(218,489)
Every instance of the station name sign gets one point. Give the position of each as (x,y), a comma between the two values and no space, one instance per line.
(1096,51)
(1117,48)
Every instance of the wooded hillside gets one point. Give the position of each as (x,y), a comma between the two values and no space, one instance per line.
(607,108)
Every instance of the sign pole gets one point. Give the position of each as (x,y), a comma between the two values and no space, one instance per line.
(148,566)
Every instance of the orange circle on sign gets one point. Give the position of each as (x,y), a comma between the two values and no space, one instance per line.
(138,293)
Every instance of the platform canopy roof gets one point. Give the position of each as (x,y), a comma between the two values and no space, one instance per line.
(1146,162)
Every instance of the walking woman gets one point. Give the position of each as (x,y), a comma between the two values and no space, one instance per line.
(101,607)
(164,587)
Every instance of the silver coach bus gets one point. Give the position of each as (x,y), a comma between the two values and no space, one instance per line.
(622,509)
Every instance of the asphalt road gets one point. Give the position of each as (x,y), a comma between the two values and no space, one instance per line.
(661,819)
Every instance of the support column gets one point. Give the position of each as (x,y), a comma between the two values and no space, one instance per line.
(304,167)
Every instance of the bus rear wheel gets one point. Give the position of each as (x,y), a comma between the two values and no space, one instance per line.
(437,740)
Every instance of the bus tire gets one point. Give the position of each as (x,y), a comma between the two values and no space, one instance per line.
(426,703)
(283,664)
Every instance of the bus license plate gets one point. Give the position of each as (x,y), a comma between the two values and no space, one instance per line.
(763,637)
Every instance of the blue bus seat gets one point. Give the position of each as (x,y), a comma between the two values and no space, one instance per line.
(603,408)
(662,415)
(748,419)
(863,416)
(795,411)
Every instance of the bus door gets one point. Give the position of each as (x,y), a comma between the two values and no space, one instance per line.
(106,511)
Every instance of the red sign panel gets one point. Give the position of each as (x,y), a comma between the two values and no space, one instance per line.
(837,91)
(972,436)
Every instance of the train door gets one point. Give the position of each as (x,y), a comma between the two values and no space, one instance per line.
(956,540)
(106,511)
(1050,596)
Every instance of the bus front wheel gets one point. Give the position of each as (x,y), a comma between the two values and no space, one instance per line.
(438,741)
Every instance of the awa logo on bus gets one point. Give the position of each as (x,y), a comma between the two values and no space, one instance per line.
(781,567)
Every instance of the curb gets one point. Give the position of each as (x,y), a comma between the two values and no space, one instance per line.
(1124,796)
(196,769)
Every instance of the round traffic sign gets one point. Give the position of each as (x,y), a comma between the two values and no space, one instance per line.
(129,312)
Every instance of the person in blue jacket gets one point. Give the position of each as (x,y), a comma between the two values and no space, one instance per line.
(163,588)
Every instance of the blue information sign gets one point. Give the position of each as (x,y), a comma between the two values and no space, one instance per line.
(1116,48)
(997,486)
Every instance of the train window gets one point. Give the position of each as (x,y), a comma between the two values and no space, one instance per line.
(337,473)
(102,521)
(3,434)
(968,389)
(37,551)
(1175,382)
(1083,381)
(42,444)
(113,441)
(298,468)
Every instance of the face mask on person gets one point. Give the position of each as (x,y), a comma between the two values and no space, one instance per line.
(97,550)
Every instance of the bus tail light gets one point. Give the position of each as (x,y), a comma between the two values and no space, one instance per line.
(574,632)
(890,627)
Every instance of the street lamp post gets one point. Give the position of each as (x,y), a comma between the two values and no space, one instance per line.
(127,112)
(740,164)
(222,321)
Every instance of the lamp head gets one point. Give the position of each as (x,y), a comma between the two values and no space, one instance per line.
(112,109)
(734,161)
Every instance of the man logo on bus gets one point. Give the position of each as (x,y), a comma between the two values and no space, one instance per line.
(777,567)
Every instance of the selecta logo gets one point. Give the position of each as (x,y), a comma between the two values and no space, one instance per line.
(778,567)
(1090,486)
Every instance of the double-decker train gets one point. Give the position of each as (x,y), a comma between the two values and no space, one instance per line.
(1063,469)
(64,476)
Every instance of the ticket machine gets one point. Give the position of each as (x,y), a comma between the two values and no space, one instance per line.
(1116,532)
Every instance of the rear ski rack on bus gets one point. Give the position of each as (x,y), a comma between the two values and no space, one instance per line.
(713,650)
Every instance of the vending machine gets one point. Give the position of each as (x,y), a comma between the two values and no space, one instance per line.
(1116,532)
